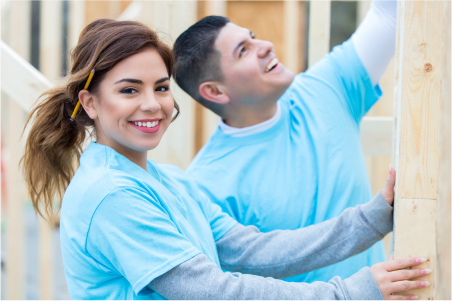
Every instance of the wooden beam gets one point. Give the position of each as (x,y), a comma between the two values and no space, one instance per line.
(444,258)
(77,11)
(294,34)
(51,56)
(319,30)
(20,12)
(376,136)
(418,111)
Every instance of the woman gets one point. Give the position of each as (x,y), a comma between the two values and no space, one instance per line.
(133,229)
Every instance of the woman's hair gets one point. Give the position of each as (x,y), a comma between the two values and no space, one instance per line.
(54,143)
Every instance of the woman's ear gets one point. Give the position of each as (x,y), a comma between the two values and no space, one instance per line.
(214,92)
(87,100)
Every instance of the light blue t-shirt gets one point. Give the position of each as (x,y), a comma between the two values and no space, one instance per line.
(307,168)
(123,226)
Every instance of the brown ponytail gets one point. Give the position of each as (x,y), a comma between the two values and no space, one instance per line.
(54,143)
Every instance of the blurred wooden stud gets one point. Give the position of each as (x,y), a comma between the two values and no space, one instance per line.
(442,290)
(294,33)
(76,21)
(319,30)
(20,42)
(51,57)
(418,112)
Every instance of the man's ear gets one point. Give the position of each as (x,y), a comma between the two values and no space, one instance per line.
(87,100)
(214,92)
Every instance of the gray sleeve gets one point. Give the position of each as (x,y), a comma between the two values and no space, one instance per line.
(199,278)
(285,253)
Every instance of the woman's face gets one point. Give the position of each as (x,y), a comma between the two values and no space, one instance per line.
(134,105)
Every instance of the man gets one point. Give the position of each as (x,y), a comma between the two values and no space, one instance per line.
(287,153)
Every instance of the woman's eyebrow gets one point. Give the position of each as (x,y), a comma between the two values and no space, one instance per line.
(161,80)
(130,80)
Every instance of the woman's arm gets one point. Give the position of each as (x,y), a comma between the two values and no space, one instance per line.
(285,253)
(200,279)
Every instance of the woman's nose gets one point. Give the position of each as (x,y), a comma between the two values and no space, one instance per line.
(150,103)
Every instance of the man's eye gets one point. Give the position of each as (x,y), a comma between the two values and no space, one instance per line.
(242,51)
(129,91)
(162,89)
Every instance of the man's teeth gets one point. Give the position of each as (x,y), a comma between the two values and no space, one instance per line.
(271,65)
(148,124)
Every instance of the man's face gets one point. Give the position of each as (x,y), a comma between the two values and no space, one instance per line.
(252,72)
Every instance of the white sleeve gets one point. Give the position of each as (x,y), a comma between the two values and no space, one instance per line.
(374,40)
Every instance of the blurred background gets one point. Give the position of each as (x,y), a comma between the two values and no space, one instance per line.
(42,33)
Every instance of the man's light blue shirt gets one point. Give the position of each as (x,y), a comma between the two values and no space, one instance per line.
(308,167)
(123,226)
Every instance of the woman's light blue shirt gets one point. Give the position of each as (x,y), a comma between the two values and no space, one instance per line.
(123,226)
(307,168)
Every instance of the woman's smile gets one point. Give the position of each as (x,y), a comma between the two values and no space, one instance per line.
(147,125)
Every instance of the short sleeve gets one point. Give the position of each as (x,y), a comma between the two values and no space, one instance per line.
(132,235)
(342,73)
(220,222)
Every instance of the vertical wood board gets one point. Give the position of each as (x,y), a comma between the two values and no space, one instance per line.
(420,86)
(443,272)
(19,34)
(319,30)
(418,76)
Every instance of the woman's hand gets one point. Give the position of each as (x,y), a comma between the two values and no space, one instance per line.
(388,191)
(392,278)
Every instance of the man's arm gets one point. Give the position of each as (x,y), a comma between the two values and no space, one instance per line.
(285,253)
(374,40)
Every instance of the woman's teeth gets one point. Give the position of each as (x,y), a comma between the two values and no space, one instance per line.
(149,124)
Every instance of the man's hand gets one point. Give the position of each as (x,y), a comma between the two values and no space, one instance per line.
(388,191)
(392,278)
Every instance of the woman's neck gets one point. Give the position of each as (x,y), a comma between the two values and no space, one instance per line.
(137,157)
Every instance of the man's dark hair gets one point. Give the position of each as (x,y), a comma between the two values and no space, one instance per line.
(196,59)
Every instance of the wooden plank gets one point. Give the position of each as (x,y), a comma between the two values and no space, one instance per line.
(294,35)
(443,235)
(51,67)
(419,86)
(31,84)
(77,11)
(376,136)
(319,30)
(15,233)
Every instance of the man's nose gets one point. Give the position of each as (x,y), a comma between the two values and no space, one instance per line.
(265,48)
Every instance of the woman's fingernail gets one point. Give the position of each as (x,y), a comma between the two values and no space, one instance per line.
(414,297)
(421,260)
(425,283)
(389,169)
(426,271)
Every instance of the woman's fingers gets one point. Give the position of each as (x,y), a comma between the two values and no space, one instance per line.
(403,297)
(408,274)
(401,286)
(402,263)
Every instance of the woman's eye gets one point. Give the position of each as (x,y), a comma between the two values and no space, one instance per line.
(129,91)
(162,89)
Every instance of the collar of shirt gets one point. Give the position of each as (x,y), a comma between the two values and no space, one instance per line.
(254,129)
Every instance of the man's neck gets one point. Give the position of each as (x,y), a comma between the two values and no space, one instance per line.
(241,116)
